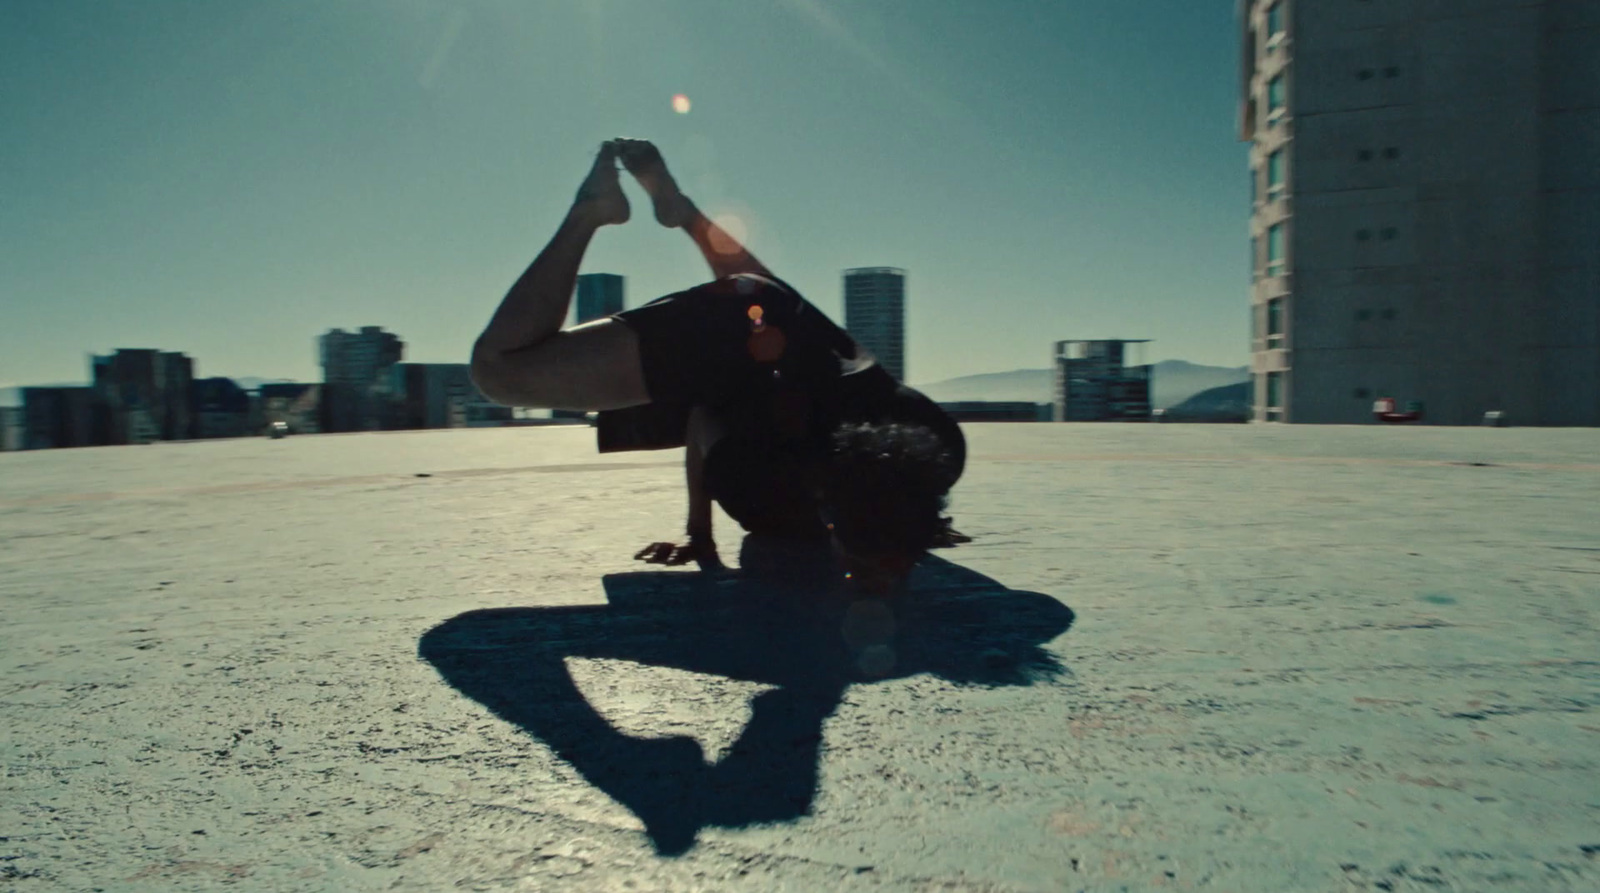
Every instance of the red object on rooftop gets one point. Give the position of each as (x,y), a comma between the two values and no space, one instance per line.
(1384,410)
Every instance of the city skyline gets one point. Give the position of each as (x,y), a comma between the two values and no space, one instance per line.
(277,173)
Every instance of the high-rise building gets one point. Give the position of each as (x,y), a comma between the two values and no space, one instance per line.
(13,428)
(438,395)
(221,408)
(62,417)
(875,314)
(599,295)
(1094,384)
(355,377)
(146,394)
(1425,217)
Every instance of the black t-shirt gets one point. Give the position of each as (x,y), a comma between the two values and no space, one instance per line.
(698,348)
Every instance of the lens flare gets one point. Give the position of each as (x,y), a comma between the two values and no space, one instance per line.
(728,235)
(680,104)
(754,312)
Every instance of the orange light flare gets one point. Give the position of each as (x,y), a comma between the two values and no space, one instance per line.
(680,104)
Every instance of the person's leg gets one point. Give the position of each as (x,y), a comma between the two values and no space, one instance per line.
(523,358)
(674,210)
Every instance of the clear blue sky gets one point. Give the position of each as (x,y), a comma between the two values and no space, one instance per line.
(231,179)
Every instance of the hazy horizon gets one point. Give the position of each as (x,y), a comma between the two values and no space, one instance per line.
(232,181)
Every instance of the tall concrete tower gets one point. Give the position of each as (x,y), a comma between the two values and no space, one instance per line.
(875,314)
(1424,220)
(355,368)
(599,295)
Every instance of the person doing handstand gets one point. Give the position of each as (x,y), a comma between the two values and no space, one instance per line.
(787,423)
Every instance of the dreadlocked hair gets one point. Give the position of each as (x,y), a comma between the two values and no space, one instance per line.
(886,486)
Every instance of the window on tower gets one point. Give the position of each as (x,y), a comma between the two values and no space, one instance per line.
(1275,258)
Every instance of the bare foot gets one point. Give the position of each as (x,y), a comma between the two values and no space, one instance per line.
(643,160)
(600,199)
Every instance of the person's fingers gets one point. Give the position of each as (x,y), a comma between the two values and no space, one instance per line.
(653,552)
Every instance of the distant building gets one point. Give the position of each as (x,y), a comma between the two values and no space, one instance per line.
(1093,385)
(1424,185)
(997,411)
(439,395)
(13,428)
(356,375)
(297,405)
(221,408)
(62,417)
(599,296)
(875,314)
(145,394)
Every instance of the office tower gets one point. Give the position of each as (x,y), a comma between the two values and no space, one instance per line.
(13,428)
(146,394)
(355,375)
(1092,383)
(436,395)
(875,314)
(1425,208)
(56,417)
(599,295)
(221,408)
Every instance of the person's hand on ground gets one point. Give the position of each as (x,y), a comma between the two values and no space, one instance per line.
(702,552)
(600,199)
(643,160)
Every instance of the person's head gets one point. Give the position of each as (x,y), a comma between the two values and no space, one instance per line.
(882,495)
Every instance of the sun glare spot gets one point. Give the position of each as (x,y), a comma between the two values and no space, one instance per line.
(680,104)
(729,234)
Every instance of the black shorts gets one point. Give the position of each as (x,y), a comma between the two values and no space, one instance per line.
(700,347)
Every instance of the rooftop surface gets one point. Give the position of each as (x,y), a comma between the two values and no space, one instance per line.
(1237,658)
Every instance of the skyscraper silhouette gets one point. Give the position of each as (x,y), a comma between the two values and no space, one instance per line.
(599,295)
(875,314)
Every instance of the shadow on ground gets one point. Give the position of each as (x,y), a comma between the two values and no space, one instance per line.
(777,622)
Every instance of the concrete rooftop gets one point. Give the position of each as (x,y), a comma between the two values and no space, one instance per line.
(1231,658)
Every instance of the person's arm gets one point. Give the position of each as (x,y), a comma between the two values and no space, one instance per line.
(701,548)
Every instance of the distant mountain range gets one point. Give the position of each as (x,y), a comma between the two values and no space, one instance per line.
(1229,403)
(1173,381)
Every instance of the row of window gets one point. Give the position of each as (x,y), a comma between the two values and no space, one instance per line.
(1276,263)
(1274,314)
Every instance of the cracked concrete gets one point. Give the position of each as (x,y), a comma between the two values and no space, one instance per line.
(1176,657)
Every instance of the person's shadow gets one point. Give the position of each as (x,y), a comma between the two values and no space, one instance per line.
(778,621)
